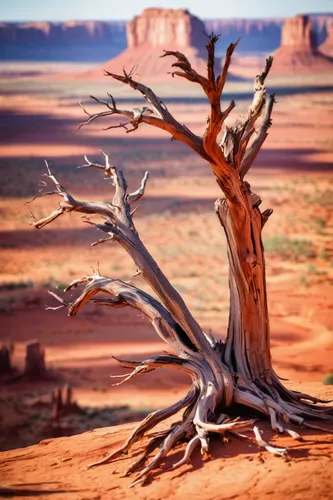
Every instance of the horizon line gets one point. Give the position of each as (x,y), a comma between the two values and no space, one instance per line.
(202,18)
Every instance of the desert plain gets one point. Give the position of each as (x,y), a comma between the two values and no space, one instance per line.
(293,174)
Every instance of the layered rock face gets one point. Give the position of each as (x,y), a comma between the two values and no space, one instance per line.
(298,52)
(296,33)
(158,29)
(165,27)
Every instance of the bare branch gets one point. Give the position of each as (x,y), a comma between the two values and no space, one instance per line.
(119,225)
(102,240)
(262,134)
(162,118)
(243,131)
(213,89)
(187,71)
(211,57)
(136,195)
(118,210)
(222,78)
(123,294)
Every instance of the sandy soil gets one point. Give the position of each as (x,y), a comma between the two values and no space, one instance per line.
(293,175)
(58,467)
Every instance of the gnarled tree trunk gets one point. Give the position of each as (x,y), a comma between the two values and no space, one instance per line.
(248,343)
(238,370)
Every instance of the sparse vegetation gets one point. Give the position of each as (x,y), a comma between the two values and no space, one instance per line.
(328,380)
(289,248)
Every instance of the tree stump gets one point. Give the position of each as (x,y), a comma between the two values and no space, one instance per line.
(34,360)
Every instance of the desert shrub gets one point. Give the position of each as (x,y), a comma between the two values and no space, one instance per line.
(328,379)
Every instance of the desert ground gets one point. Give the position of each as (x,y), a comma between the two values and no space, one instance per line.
(293,175)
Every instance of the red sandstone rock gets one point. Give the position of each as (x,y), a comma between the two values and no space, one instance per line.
(297,53)
(239,469)
(152,32)
(296,33)
(165,27)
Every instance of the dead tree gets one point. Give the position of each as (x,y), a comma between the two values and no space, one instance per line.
(225,375)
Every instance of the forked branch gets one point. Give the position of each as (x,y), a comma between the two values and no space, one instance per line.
(116,293)
(118,224)
(229,155)
(213,89)
(156,114)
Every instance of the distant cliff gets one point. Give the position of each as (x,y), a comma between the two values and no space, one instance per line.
(98,41)
(261,35)
(157,29)
(162,27)
(256,35)
(72,40)
(298,52)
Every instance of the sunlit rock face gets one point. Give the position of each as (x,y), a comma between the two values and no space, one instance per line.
(156,30)
(296,33)
(298,53)
(163,27)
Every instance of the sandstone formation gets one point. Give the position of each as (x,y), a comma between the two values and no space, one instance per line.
(96,40)
(160,27)
(298,53)
(327,47)
(152,32)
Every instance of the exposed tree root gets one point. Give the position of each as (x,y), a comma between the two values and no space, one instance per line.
(201,422)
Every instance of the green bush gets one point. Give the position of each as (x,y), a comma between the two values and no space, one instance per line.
(328,379)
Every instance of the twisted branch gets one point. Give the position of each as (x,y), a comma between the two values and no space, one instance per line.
(157,116)
(119,225)
(213,89)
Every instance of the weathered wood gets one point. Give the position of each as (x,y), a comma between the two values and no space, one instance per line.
(238,370)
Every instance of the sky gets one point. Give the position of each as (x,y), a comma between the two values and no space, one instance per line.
(63,10)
